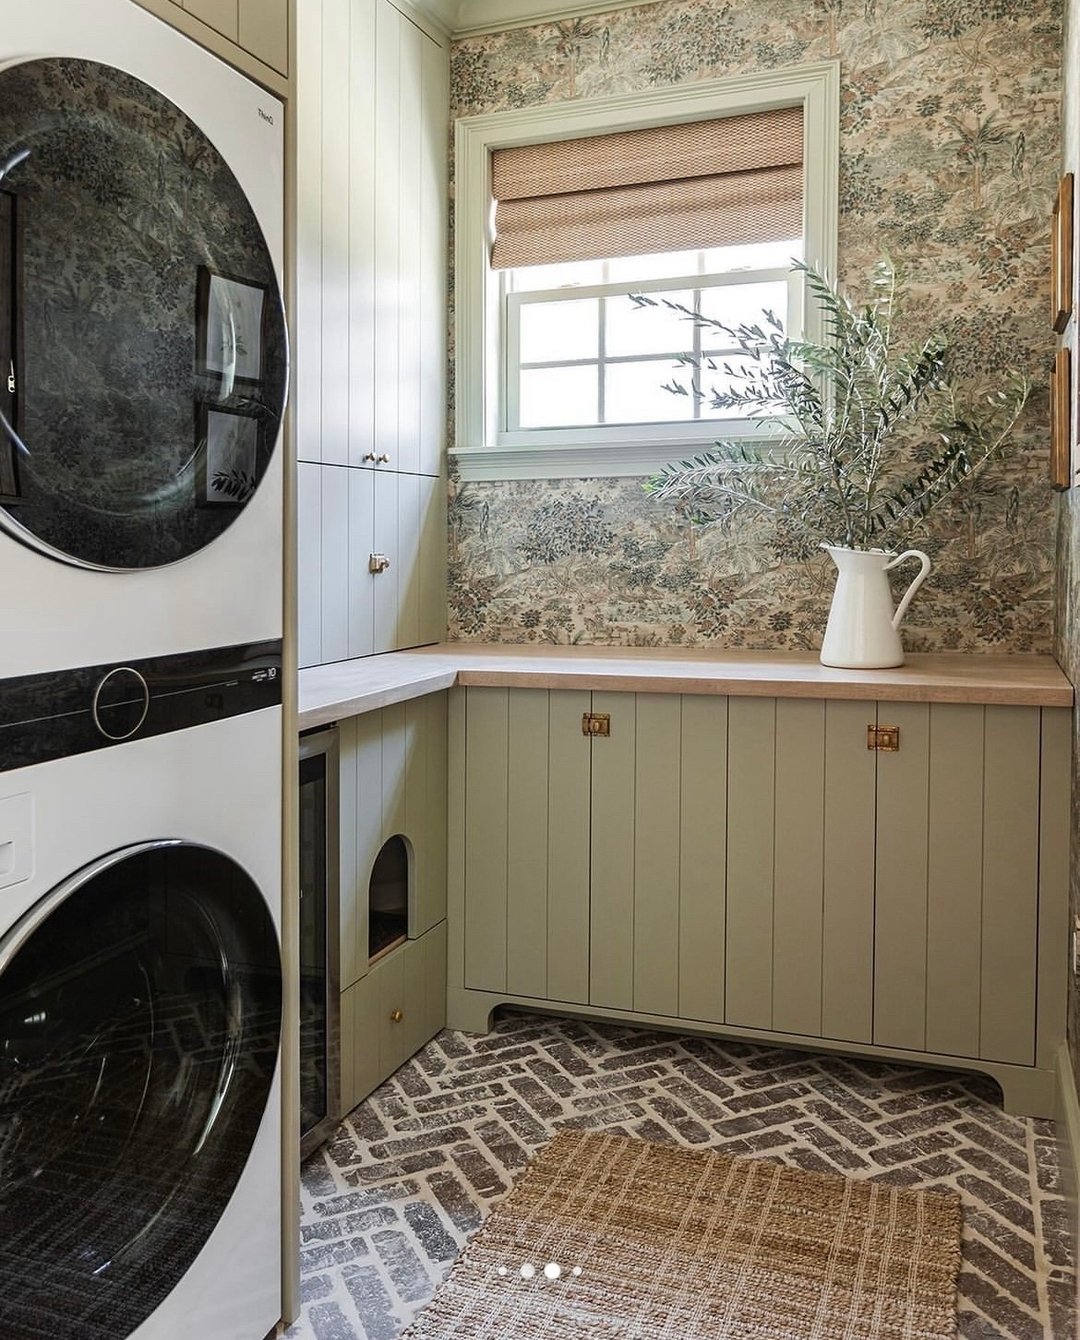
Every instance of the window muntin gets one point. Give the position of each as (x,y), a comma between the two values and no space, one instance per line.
(578,353)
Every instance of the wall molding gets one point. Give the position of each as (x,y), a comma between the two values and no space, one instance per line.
(470,18)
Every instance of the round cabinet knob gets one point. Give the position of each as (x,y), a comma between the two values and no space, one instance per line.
(396,1016)
(382,459)
(121,702)
(368,456)
(378,563)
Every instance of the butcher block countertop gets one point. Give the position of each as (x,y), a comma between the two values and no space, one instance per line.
(347,688)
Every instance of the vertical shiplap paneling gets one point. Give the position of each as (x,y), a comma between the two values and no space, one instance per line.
(336,125)
(360,1072)
(352,903)
(569,767)
(432,613)
(1055,941)
(656,833)
(954,881)
(361,489)
(418,824)
(903,794)
(434,909)
(751,818)
(388,26)
(389,974)
(362,190)
(307,311)
(798,881)
(434,214)
(611,936)
(410,185)
(847,950)
(456,784)
(702,858)
(335,563)
(433,968)
(487,752)
(397,738)
(414,998)
(527,845)
(369,819)
(309,562)
(384,585)
(1010,885)
(409,558)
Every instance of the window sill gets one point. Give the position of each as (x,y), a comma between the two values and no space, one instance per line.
(579,460)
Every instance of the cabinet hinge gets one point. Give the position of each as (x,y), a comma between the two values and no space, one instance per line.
(596,723)
(885,739)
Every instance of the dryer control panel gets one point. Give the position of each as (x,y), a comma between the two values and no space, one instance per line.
(46,717)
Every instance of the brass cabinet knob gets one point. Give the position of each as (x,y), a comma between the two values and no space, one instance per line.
(378,563)
(396,1016)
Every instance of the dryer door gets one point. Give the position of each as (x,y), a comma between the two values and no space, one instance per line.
(140,1016)
(142,339)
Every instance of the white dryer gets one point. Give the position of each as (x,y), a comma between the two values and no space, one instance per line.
(143,348)
(140,1000)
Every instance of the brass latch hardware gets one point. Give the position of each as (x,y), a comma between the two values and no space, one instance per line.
(596,723)
(378,563)
(885,739)
(396,1016)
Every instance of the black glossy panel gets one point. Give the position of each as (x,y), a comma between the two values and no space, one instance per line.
(45,717)
(139,1030)
(151,355)
(314,986)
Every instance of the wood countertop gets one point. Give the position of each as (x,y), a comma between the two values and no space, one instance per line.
(347,688)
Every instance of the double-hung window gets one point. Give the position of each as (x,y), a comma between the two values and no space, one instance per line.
(699,197)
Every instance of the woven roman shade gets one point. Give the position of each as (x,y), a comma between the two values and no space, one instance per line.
(715,183)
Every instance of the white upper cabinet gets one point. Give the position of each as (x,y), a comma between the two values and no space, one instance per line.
(371,329)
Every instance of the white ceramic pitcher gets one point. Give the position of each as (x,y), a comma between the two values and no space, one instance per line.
(862,630)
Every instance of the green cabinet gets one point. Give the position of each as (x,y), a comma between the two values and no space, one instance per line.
(392,795)
(752,865)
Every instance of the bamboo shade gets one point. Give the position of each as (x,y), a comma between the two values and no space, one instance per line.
(665,188)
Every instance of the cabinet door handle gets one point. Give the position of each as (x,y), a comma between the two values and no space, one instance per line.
(378,563)
(382,459)
(369,456)
(396,1016)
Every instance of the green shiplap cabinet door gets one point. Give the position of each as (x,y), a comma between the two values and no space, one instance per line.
(751,787)
(547,874)
(849,815)
(1010,893)
(900,917)
(487,763)
(656,834)
(702,858)
(612,847)
(798,866)
(425,809)
(569,762)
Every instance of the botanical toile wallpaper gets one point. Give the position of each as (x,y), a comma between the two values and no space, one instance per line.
(950,154)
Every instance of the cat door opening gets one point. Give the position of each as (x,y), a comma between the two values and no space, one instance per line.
(388,898)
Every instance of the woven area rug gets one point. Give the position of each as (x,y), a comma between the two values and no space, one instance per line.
(613,1238)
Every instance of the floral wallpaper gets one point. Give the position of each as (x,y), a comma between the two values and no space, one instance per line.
(950,149)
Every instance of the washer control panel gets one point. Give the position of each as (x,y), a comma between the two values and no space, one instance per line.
(45,717)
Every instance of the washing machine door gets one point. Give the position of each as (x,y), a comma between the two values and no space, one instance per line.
(143,352)
(140,1013)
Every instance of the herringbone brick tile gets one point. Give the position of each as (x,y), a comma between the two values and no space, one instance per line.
(393,1197)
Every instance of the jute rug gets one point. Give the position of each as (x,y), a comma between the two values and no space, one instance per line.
(611,1238)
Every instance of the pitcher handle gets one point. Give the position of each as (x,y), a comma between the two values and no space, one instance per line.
(909,594)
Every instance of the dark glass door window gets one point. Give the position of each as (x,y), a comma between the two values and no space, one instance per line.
(151,361)
(139,1031)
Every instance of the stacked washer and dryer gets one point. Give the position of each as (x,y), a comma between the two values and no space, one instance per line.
(143,368)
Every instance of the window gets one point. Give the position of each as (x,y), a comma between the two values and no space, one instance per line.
(559,371)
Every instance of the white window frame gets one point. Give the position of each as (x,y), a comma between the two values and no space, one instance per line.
(479,453)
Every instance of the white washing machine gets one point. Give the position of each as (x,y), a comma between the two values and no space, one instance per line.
(140,1000)
(143,349)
